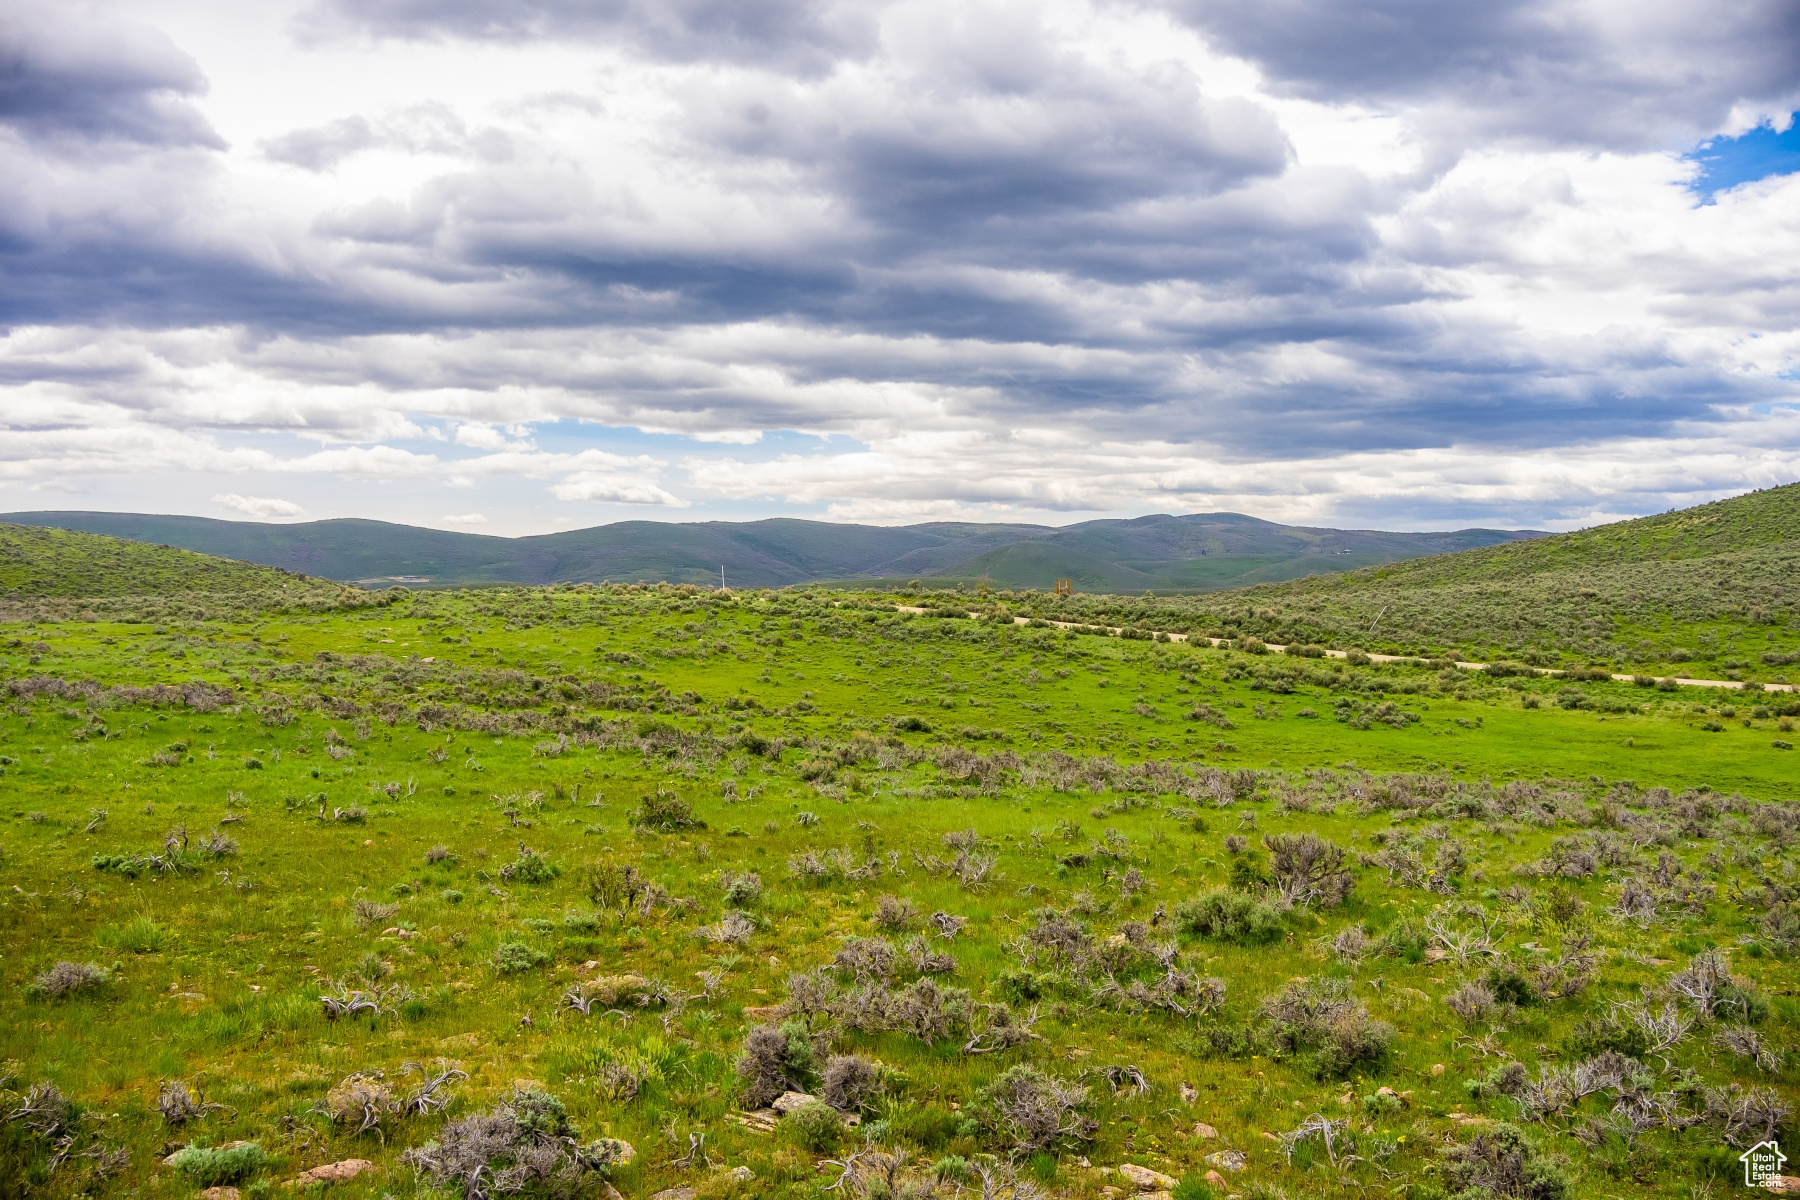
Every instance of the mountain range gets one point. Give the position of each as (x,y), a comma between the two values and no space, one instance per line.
(1197,552)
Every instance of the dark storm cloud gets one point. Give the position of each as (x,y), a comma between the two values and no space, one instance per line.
(1627,74)
(64,77)
(796,34)
(934,168)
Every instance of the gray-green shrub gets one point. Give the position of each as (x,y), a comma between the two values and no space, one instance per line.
(67,979)
(1229,916)
(211,1166)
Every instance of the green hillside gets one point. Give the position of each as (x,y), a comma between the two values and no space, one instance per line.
(44,563)
(1756,520)
(1187,553)
(1704,591)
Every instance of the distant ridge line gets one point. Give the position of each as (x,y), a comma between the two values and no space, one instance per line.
(1191,553)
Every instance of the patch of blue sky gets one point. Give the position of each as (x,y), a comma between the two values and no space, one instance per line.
(569,436)
(1726,163)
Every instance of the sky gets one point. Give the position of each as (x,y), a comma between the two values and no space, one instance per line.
(516,266)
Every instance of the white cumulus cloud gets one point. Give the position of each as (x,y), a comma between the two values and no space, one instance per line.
(593,485)
(259,506)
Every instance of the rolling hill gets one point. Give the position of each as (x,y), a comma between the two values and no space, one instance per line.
(1716,584)
(37,563)
(1759,520)
(1165,553)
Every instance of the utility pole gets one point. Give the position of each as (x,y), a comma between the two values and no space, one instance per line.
(721,577)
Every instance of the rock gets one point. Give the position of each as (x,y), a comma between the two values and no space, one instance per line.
(1229,1160)
(789,1101)
(1783,1185)
(1437,1069)
(336,1172)
(1205,1132)
(1215,1179)
(674,1193)
(738,1174)
(1144,1179)
(1188,1093)
(1111,1193)
(218,1193)
(1156,1196)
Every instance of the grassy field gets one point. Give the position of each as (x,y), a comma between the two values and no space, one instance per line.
(663,853)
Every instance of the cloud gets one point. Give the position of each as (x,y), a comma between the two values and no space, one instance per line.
(466,519)
(1619,74)
(72,75)
(323,146)
(481,437)
(592,485)
(61,485)
(805,35)
(989,124)
(256,506)
(1061,479)
(429,128)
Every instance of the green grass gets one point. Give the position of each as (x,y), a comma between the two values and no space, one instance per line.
(508,771)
